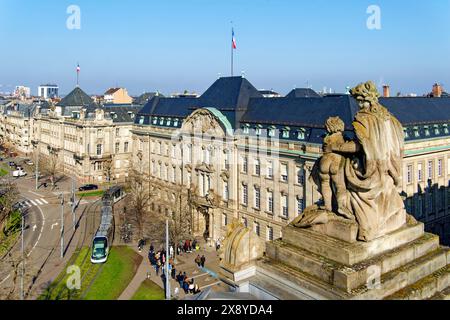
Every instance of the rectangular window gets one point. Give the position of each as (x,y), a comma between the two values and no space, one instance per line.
(173,175)
(224,219)
(99,149)
(419,172)
(225,191)
(174,151)
(244,221)
(117,147)
(270,169)
(125,147)
(117,131)
(440,168)
(269,233)
(226,160)
(244,164)
(409,171)
(257,229)
(244,194)
(284,172)
(300,176)
(284,206)
(257,167)
(300,205)
(430,170)
(257,198)
(270,201)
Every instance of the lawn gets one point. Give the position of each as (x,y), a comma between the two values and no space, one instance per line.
(98,281)
(94,193)
(10,233)
(3,172)
(116,274)
(149,290)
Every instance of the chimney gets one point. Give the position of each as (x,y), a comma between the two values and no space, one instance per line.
(386,91)
(437,90)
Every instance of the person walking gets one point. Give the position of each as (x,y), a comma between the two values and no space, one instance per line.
(171,251)
(202,260)
(157,266)
(198,261)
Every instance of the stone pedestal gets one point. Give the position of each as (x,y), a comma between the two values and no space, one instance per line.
(311,264)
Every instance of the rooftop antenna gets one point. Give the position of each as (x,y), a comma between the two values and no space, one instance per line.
(243,74)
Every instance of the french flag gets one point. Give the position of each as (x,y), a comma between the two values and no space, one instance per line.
(233,39)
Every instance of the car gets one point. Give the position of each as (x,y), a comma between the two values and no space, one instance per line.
(29,162)
(12,164)
(19,173)
(21,205)
(87,187)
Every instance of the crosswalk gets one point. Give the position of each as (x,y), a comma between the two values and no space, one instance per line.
(35,202)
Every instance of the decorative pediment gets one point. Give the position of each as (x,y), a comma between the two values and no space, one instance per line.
(205,168)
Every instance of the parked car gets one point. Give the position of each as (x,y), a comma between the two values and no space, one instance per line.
(29,162)
(87,187)
(19,173)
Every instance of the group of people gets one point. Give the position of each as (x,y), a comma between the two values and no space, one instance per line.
(187,284)
(158,261)
(200,261)
(187,246)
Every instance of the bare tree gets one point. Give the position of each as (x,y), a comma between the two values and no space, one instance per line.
(180,219)
(107,170)
(8,197)
(139,199)
(51,166)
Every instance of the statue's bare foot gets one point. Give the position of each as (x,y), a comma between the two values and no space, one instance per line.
(346,214)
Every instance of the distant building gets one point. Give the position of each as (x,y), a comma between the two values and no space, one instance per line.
(145,97)
(22,92)
(117,96)
(48,91)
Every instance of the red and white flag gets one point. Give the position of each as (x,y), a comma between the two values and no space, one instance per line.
(78,68)
(233,39)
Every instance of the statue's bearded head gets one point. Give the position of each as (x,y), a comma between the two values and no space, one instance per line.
(366,94)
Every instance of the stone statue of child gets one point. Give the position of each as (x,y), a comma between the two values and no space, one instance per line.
(331,169)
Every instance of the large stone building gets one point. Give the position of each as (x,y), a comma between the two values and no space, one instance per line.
(91,142)
(240,155)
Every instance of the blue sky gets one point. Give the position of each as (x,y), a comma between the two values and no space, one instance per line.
(173,45)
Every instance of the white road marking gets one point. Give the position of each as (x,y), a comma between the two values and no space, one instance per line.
(54,225)
(34,228)
(37,194)
(44,201)
(38,202)
(40,232)
(32,202)
(210,285)
(5,279)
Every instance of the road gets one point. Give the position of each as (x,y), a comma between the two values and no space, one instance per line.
(42,233)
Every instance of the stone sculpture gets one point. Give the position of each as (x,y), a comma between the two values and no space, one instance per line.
(359,179)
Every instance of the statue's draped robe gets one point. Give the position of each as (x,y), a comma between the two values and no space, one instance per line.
(373,178)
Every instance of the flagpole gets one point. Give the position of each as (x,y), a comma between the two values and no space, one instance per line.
(232,51)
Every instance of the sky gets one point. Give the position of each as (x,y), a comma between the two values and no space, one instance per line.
(177,45)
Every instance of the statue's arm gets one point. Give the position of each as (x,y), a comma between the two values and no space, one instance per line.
(347,147)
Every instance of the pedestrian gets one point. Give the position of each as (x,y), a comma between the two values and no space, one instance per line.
(198,261)
(217,245)
(191,286)
(186,287)
(197,247)
(157,266)
(180,279)
(173,272)
(196,289)
(203,259)
(171,251)
(152,248)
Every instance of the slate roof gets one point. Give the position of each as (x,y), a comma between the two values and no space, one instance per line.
(145,97)
(229,93)
(303,93)
(76,97)
(240,102)
(121,113)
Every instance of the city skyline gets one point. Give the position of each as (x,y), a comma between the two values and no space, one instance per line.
(166,47)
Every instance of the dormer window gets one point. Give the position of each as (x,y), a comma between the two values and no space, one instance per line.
(286,131)
(131,114)
(155,120)
(427,131)
(141,120)
(436,130)
(301,134)
(272,131)
(246,128)
(175,122)
(169,121)
(445,128)
(405,130)
(161,121)
(258,129)
(416,132)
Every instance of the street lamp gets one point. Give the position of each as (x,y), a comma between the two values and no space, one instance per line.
(62,224)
